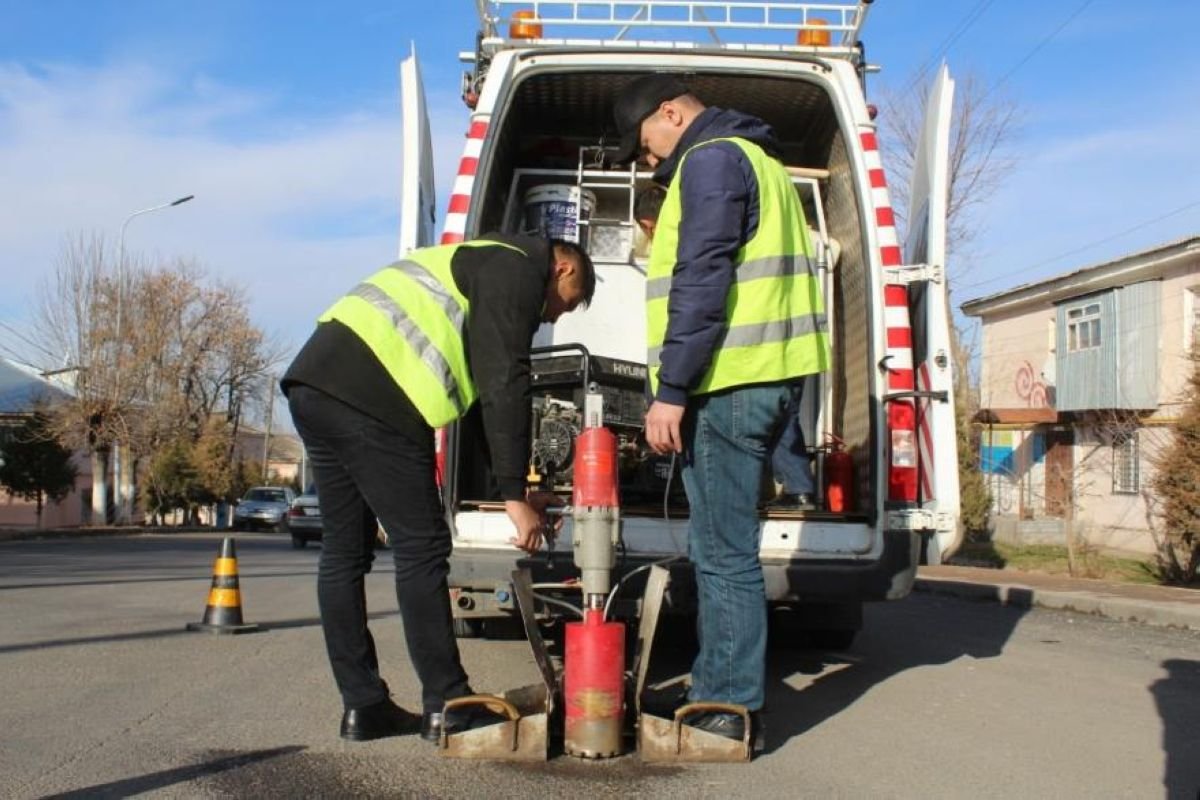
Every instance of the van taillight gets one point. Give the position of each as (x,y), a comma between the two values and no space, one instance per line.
(902,455)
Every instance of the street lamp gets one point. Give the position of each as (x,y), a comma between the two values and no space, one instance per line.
(121,259)
(119,489)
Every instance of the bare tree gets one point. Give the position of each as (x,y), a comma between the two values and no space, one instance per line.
(188,352)
(73,318)
(983,126)
(197,357)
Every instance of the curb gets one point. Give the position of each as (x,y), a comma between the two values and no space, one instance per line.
(1165,614)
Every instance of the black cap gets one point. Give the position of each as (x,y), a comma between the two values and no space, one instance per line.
(639,99)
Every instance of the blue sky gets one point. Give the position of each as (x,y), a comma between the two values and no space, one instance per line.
(283,119)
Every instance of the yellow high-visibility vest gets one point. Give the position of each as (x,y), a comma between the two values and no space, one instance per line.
(776,327)
(412,316)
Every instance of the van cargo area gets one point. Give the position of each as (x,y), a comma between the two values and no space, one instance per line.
(552,128)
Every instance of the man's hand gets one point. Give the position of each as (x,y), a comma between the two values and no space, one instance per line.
(540,501)
(663,422)
(529,524)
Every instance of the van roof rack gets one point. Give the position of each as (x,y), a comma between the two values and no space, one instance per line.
(773,26)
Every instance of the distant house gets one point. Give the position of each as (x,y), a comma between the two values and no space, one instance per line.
(284,453)
(23,390)
(1081,379)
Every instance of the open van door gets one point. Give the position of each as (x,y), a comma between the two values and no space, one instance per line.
(417,199)
(925,250)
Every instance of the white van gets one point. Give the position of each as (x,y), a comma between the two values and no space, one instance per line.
(543,79)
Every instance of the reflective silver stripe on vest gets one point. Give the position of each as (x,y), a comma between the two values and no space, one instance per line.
(762,332)
(434,287)
(770,267)
(430,356)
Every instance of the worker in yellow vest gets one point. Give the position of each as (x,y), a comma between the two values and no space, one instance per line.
(408,350)
(734,321)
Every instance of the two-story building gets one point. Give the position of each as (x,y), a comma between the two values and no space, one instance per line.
(23,390)
(1081,378)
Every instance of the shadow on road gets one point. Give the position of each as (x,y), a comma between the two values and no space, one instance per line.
(1175,697)
(165,633)
(170,777)
(896,637)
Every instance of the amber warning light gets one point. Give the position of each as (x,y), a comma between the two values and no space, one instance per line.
(808,37)
(524,25)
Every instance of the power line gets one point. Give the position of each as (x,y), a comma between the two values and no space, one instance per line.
(964,24)
(25,338)
(1038,47)
(1081,249)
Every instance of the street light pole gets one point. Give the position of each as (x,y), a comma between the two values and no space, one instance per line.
(121,259)
(119,487)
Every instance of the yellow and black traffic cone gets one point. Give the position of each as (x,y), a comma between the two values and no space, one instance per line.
(223,614)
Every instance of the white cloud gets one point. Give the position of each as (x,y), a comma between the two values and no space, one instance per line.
(295,210)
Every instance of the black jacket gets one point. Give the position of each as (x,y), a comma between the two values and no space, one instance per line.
(506,292)
(719,195)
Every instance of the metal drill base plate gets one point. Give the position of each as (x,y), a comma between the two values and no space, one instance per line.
(526,735)
(665,740)
(524,738)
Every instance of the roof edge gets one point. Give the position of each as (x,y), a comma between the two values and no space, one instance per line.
(1093,278)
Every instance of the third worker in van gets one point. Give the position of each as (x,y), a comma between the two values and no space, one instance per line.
(734,321)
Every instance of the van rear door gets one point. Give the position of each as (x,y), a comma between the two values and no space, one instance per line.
(925,251)
(417,199)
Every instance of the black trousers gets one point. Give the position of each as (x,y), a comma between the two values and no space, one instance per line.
(365,470)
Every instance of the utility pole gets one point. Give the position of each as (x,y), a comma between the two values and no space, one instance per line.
(266,472)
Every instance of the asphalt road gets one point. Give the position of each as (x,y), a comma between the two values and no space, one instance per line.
(105,695)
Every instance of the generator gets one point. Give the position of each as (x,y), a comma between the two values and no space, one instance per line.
(562,379)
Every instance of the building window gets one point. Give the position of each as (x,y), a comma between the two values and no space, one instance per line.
(1083,327)
(1126,476)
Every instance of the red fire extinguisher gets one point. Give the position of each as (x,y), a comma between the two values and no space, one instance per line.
(839,477)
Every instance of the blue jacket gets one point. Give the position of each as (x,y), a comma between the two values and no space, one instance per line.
(719,195)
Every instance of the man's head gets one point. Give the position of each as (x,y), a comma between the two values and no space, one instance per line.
(652,112)
(647,207)
(572,280)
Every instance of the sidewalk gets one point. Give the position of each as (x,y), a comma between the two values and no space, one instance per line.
(1163,606)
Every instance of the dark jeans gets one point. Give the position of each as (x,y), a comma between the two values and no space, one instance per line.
(790,459)
(363,470)
(727,437)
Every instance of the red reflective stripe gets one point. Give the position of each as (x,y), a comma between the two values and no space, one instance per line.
(478,130)
(449,237)
(899,337)
(884,217)
(895,294)
(878,181)
(890,256)
(459,203)
(900,379)
(869,142)
(468,165)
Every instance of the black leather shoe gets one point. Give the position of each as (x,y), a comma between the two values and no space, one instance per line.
(377,721)
(731,726)
(792,502)
(457,720)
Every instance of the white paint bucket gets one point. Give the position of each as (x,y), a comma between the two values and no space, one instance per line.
(554,210)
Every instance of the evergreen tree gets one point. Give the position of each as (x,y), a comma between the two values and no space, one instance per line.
(36,467)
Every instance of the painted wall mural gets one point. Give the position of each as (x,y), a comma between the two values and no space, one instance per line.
(1030,388)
